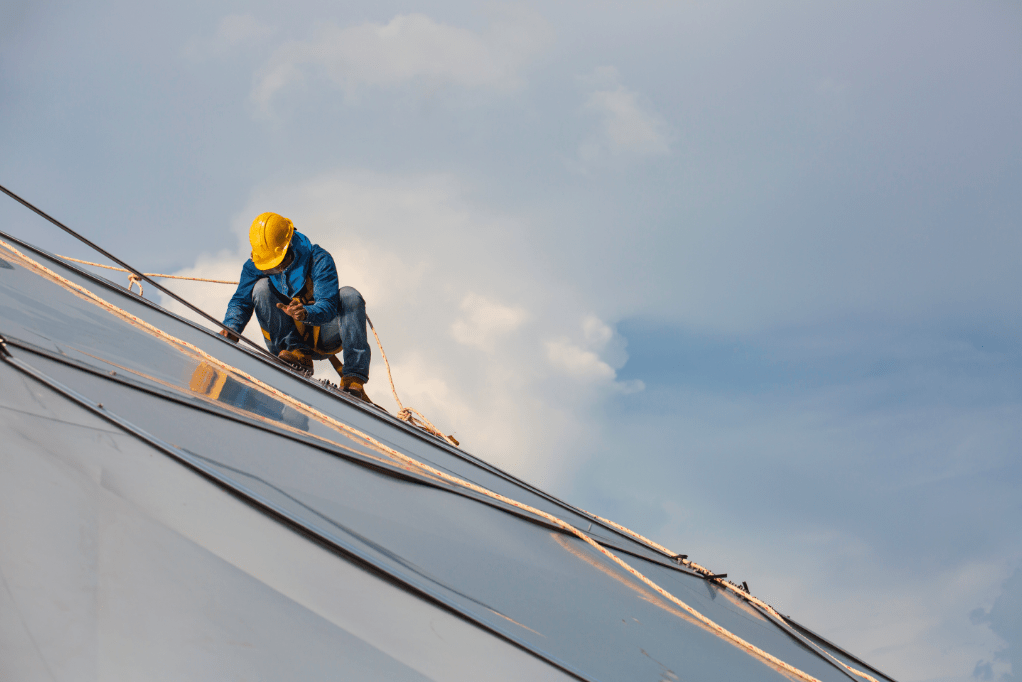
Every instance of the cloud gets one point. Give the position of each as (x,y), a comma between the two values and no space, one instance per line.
(410,48)
(594,357)
(578,362)
(1004,619)
(484,320)
(486,345)
(628,125)
(233,31)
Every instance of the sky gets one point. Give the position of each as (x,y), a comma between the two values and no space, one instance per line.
(742,276)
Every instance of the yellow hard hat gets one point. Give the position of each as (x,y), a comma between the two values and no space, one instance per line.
(270,235)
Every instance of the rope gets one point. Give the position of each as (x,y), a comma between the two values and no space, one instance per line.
(135,279)
(728,585)
(722,632)
(408,414)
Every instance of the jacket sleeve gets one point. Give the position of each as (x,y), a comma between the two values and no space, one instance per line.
(239,310)
(324,288)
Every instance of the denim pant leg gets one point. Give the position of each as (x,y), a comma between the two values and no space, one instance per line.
(280,327)
(348,330)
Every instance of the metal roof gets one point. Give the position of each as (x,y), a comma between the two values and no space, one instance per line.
(173,506)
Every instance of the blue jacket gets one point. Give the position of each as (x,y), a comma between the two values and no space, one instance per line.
(310,262)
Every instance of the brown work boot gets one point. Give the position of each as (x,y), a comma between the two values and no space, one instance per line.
(353,386)
(298,358)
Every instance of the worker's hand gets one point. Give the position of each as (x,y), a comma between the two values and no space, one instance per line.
(230,336)
(295,310)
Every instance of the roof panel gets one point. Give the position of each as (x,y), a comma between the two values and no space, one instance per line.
(119,563)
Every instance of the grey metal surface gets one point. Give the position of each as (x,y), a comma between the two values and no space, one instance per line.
(116,563)
(516,579)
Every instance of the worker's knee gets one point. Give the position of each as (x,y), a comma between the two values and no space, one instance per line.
(350,298)
(261,291)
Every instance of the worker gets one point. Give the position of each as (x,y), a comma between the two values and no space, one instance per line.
(291,284)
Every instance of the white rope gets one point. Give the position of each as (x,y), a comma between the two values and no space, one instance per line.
(135,279)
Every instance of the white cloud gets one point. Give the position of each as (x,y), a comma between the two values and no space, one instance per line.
(592,360)
(521,403)
(484,320)
(578,362)
(1004,619)
(628,125)
(597,333)
(411,47)
(234,30)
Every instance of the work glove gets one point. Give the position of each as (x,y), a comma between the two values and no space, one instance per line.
(295,310)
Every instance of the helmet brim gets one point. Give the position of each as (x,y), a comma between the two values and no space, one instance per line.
(272,262)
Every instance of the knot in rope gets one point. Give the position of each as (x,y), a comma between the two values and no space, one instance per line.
(133,280)
(416,418)
(408,414)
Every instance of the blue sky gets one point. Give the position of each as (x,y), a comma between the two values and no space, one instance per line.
(741,276)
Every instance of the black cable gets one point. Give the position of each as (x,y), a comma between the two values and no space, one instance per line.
(132,270)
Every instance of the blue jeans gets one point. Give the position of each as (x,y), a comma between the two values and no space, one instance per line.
(347,330)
